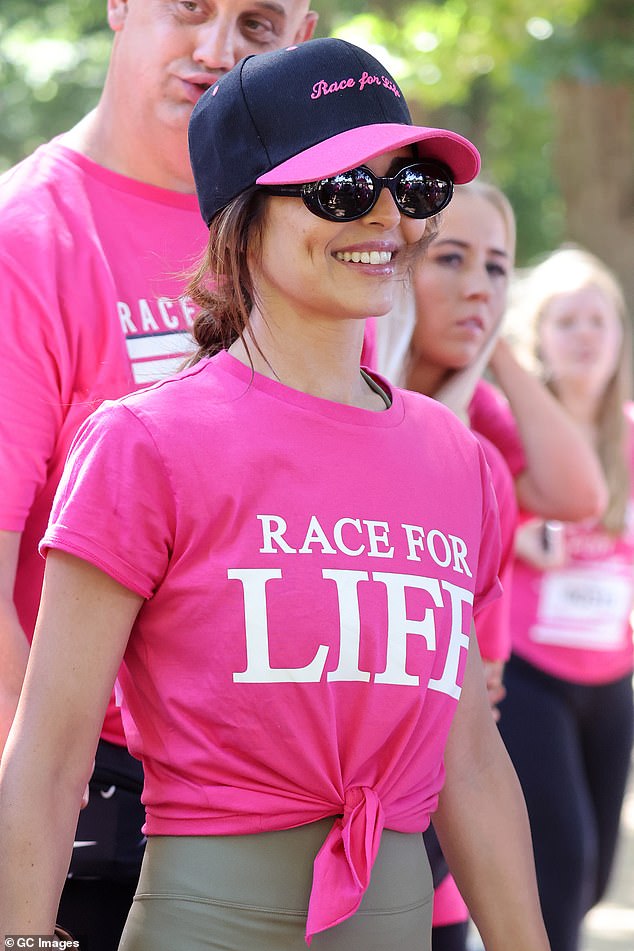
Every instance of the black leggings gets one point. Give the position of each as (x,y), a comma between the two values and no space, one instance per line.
(450,937)
(108,851)
(571,746)
(443,937)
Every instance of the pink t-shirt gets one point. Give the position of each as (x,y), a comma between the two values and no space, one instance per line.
(491,415)
(449,905)
(91,268)
(493,622)
(575,622)
(309,570)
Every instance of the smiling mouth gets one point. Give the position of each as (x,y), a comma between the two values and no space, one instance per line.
(364,257)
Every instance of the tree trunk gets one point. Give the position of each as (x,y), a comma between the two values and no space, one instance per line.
(593,159)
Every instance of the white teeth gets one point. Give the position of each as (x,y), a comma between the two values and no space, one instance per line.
(365,257)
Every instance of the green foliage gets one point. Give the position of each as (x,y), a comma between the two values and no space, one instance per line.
(484,68)
(440,49)
(53,59)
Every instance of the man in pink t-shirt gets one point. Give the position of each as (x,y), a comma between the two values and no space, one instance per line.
(96,230)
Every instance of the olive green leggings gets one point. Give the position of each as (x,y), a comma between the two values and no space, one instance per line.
(250,893)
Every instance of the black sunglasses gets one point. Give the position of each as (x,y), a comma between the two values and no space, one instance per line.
(420,190)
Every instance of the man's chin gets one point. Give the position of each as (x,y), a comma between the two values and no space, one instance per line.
(174,117)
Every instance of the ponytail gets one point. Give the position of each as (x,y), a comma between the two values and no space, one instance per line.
(222,286)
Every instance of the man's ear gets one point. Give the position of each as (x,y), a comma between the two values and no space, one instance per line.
(307,28)
(117,12)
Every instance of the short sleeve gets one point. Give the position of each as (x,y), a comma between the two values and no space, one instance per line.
(33,403)
(493,623)
(490,414)
(114,506)
(487,586)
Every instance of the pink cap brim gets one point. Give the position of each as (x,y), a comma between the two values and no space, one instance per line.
(356,146)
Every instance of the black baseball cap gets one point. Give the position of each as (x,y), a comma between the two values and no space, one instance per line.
(302,114)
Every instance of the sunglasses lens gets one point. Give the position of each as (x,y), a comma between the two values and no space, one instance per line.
(422,191)
(346,196)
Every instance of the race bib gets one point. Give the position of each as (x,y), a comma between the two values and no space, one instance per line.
(584,608)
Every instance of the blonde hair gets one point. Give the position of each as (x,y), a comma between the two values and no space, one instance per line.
(496,197)
(565,270)
(222,285)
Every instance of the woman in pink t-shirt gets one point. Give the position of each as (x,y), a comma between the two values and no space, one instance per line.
(567,720)
(249,545)
(457,302)
(439,342)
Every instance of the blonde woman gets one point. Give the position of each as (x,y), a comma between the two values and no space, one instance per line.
(460,292)
(442,334)
(567,719)
(438,341)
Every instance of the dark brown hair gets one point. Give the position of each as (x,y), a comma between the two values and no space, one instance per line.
(222,285)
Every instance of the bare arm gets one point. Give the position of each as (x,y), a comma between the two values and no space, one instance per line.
(483,827)
(563,478)
(82,630)
(14,647)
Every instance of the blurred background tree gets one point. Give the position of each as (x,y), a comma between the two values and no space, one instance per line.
(53,57)
(544,90)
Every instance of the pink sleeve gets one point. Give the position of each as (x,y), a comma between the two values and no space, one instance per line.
(487,587)
(490,414)
(33,402)
(492,625)
(493,622)
(115,504)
